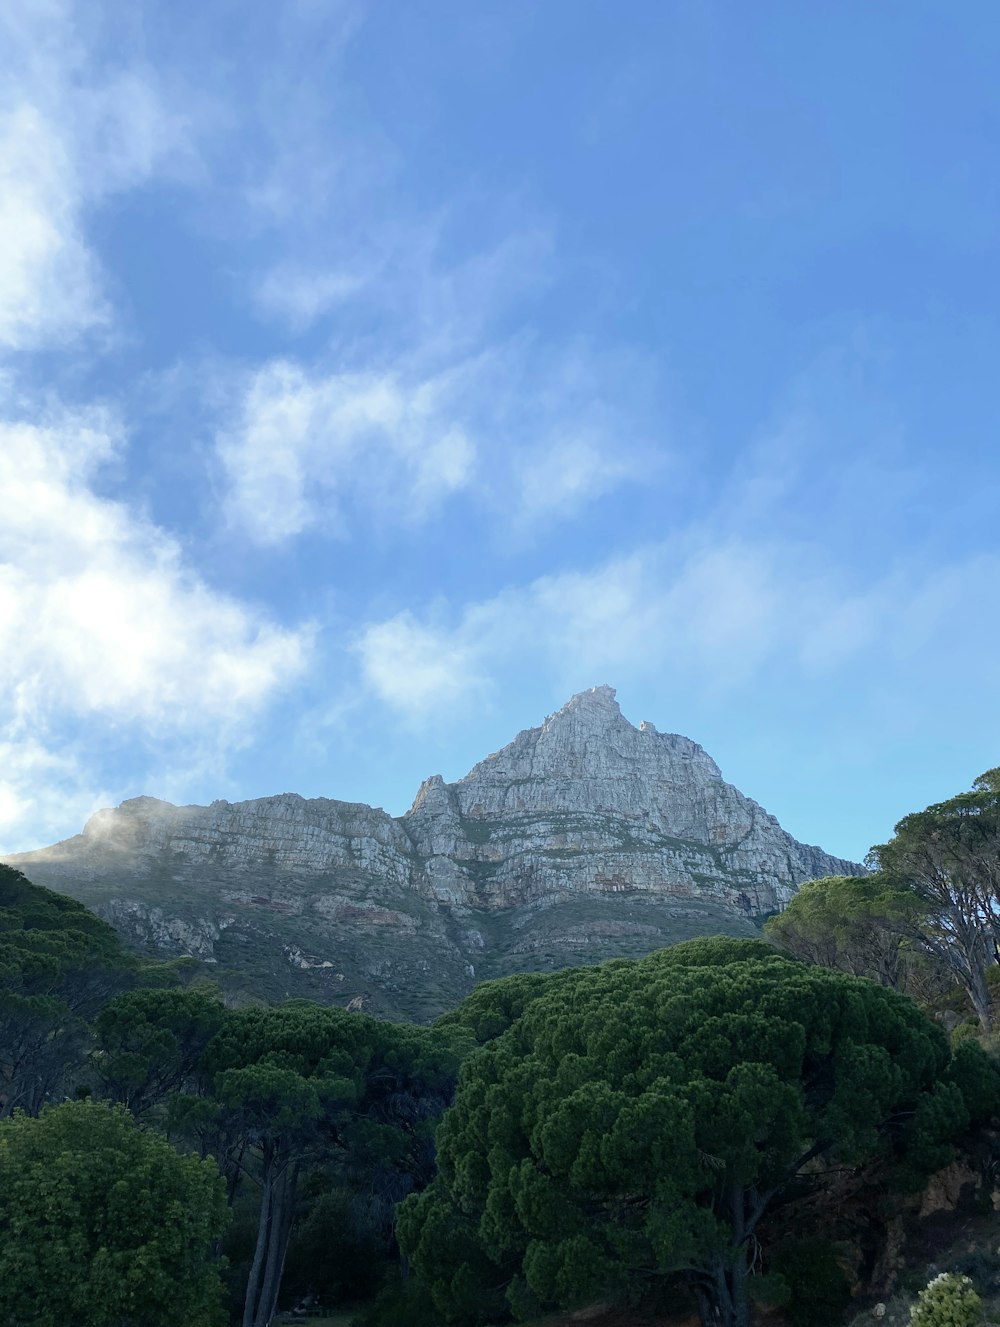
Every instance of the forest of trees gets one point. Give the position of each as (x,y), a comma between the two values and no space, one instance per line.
(659,1130)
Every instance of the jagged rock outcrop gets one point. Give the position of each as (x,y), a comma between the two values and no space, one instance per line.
(581,839)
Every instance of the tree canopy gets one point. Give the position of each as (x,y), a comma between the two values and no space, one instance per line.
(857,924)
(948,858)
(149,1043)
(299,1085)
(103,1224)
(58,964)
(634,1124)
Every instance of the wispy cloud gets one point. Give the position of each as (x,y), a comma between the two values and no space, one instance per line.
(49,284)
(709,615)
(418,668)
(102,620)
(528,434)
(305,442)
(569,474)
(421,370)
(298,296)
(69,136)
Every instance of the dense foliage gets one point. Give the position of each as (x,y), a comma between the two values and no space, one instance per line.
(316,1117)
(300,1089)
(927,918)
(149,1043)
(58,965)
(856,924)
(103,1224)
(636,1123)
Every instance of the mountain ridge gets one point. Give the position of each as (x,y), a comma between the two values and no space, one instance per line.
(583,838)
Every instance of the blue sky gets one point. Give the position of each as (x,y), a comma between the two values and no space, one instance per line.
(375,376)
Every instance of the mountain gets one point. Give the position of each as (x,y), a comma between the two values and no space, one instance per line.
(583,839)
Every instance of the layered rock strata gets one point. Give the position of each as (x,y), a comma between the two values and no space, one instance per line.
(582,839)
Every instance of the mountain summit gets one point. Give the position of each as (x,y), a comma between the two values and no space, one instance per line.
(582,839)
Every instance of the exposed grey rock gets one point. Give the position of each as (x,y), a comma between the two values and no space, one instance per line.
(583,838)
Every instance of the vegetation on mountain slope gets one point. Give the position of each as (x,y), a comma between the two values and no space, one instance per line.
(638,1123)
(695,1126)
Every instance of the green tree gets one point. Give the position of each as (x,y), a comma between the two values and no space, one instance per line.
(948,858)
(149,1043)
(494,1005)
(58,964)
(633,1127)
(104,1225)
(856,924)
(301,1087)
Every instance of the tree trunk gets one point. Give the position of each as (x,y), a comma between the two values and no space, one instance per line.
(282,1215)
(979,994)
(286,1237)
(970,941)
(263,1226)
(723,1301)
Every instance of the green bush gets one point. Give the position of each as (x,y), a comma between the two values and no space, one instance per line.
(963,1032)
(103,1222)
(949,1300)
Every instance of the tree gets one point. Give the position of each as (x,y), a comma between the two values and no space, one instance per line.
(948,858)
(632,1128)
(58,964)
(494,1005)
(105,1225)
(149,1043)
(301,1085)
(856,924)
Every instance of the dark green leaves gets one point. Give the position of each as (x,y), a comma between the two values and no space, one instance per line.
(636,1121)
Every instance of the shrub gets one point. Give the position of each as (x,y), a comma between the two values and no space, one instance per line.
(963,1032)
(949,1300)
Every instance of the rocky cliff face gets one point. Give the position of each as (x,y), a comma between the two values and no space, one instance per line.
(582,839)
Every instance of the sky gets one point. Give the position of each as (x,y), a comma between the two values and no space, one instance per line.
(375,376)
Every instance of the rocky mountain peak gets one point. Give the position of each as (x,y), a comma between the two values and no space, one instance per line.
(586,756)
(582,838)
(600,702)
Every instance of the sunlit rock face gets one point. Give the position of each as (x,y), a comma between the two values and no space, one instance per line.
(582,839)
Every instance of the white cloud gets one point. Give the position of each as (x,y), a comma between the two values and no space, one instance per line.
(49,287)
(42,790)
(417,669)
(304,442)
(706,618)
(529,437)
(65,144)
(713,610)
(102,621)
